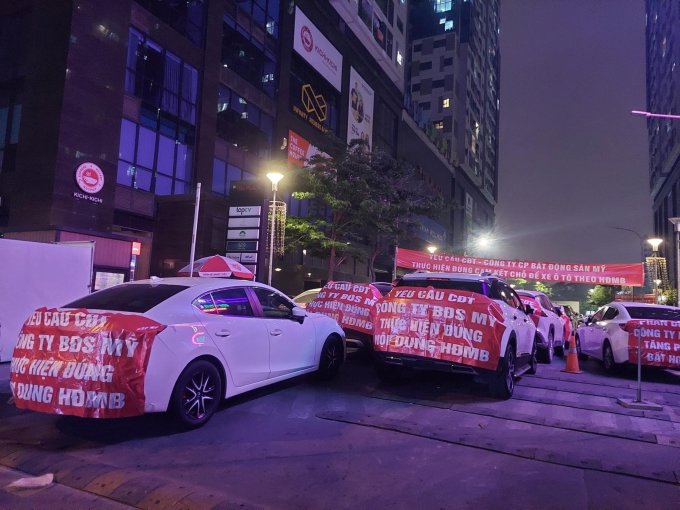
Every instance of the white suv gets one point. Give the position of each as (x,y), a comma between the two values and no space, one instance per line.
(549,326)
(517,349)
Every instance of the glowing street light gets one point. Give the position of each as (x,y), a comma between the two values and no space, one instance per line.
(274,177)
(431,249)
(654,243)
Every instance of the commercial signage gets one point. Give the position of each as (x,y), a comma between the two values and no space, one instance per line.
(300,150)
(631,275)
(360,116)
(240,246)
(136,248)
(240,222)
(242,233)
(428,230)
(90,179)
(245,210)
(309,101)
(313,46)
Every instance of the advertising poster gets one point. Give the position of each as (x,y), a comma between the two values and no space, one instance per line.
(360,116)
(591,274)
(451,325)
(350,304)
(300,150)
(313,46)
(659,342)
(82,363)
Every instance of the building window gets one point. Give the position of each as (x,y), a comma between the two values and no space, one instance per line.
(243,124)
(224,174)
(185,16)
(442,5)
(424,66)
(247,57)
(153,159)
(437,84)
(446,102)
(439,43)
(439,124)
(160,78)
(263,13)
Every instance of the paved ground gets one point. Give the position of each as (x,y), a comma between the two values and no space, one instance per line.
(432,441)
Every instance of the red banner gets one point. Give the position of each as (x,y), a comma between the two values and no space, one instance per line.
(82,363)
(631,275)
(350,304)
(659,342)
(452,325)
(533,303)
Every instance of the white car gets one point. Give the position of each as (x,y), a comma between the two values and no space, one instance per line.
(517,346)
(549,326)
(221,338)
(603,337)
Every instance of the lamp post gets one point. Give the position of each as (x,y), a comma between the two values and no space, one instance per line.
(676,226)
(274,177)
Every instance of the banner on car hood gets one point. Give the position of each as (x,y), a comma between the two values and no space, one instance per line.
(659,342)
(452,325)
(533,303)
(82,363)
(350,304)
(631,275)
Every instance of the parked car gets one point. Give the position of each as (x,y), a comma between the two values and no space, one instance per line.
(603,337)
(564,313)
(549,327)
(516,349)
(306,297)
(217,338)
(383,287)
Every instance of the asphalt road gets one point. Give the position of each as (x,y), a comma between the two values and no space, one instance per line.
(433,441)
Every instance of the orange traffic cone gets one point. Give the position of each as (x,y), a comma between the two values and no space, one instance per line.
(572,358)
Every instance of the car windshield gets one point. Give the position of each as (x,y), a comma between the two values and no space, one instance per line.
(652,312)
(443,283)
(137,297)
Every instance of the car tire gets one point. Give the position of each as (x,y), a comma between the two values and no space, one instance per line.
(533,361)
(387,373)
(581,356)
(608,358)
(502,383)
(548,353)
(197,394)
(331,359)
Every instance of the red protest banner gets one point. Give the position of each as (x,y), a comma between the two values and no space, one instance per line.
(631,275)
(451,325)
(659,341)
(82,363)
(350,304)
(533,303)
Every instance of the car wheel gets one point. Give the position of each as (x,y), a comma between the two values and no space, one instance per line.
(548,353)
(533,362)
(332,357)
(608,358)
(581,356)
(197,394)
(502,383)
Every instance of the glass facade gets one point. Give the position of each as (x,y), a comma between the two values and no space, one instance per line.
(264,13)
(242,123)
(185,16)
(160,78)
(226,173)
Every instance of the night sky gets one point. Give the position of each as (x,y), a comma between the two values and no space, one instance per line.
(573,160)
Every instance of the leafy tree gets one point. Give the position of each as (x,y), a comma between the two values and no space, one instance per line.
(542,287)
(601,295)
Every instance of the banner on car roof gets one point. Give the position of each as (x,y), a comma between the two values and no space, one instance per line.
(350,304)
(631,275)
(82,363)
(659,342)
(450,325)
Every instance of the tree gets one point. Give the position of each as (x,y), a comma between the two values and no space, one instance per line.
(601,295)
(542,287)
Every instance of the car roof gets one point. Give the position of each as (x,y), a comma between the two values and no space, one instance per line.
(532,293)
(426,275)
(626,304)
(197,282)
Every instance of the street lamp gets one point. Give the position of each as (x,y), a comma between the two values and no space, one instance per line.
(274,177)
(656,290)
(654,243)
(676,226)
(431,249)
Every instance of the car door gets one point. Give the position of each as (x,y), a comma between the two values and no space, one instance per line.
(292,344)
(591,335)
(555,320)
(241,337)
(525,326)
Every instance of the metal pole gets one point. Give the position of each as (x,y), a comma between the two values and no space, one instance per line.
(271,234)
(677,264)
(193,232)
(639,366)
(394,267)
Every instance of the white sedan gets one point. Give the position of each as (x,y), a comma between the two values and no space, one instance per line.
(220,338)
(549,326)
(603,337)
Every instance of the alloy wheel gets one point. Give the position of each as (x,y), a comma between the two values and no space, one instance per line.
(198,395)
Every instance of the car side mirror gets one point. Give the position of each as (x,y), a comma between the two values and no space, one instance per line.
(558,312)
(528,310)
(298,314)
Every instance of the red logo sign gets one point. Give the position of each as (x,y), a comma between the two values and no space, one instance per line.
(136,248)
(306,38)
(90,178)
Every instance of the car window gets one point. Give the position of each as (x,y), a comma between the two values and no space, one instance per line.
(444,283)
(232,302)
(274,305)
(598,315)
(516,302)
(653,312)
(137,297)
(610,314)
(545,302)
(504,292)
(306,298)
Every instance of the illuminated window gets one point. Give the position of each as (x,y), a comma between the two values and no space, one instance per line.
(439,124)
(442,5)
(446,102)
(400,58)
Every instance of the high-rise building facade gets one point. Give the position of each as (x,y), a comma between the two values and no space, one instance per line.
(663,97)
(453,78)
